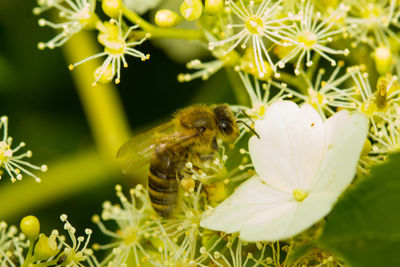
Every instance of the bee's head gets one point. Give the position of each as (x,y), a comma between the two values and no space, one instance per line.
(226,122)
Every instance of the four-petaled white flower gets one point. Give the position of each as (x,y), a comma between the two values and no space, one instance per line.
(303,164)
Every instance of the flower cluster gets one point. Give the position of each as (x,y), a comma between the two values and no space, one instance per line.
(76,15)
(13,163)
(30,247)
(371,22)
(116,46)
(275,204)
(117,39)
(12,244)
(318,104)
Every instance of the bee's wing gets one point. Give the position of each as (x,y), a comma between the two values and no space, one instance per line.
(138,149)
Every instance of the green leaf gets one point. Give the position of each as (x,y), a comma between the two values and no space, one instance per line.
(364,226)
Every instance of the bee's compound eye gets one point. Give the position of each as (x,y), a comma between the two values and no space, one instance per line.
(202,129)
(225,127)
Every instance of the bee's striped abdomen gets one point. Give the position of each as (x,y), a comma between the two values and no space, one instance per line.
(163,186)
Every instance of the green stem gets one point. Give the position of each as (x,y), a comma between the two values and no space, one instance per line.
(310,71)
(295,81)
(158,32)
(28,257)
(47,263)
(67,176)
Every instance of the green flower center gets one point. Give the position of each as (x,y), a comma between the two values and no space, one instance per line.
(255,25)
(307,38)
(115,47)
(129,234)
(5,152)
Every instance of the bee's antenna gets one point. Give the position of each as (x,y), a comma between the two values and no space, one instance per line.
(251,129)
(247,116)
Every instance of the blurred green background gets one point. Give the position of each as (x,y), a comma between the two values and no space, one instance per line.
(39,96)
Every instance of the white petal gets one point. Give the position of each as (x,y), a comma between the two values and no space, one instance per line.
(249,199)
(346,135)
(261,212)
(294,218)
(290,147)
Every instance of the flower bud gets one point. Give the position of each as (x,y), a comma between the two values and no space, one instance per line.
(283,49)
(166,18)
(45,247)
(191,9)
(30,226)
(216,192)
(383,59)
(112,8)
(212,7)
(366,148)
(248,64)
(231,59)
(91,22)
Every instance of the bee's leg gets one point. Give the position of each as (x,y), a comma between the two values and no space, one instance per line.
(209,154)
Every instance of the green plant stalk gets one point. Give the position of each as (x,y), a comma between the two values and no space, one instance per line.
(296,81)
(311,70)
(238,88)
(159,32)
(71,175)
(45,264)
(29,255)
(101,103)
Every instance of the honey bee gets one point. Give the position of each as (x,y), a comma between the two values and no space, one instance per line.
(190,136)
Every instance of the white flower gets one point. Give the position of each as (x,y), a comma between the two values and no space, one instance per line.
(255,27)
(373,22)
(313,32)
(303,164)
(117,45)
(78,252)
(134,220)
(74,15)
(11,160)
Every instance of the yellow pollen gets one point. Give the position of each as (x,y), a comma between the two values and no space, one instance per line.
(307,38)
(255,25)
(299,194)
